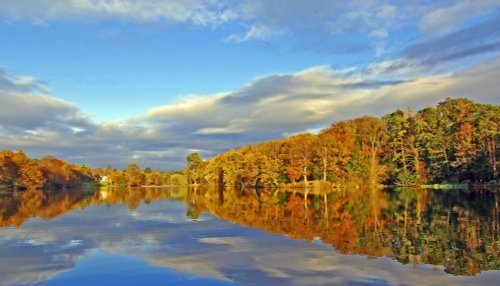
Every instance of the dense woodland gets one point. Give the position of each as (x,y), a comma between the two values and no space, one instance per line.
(457,141)
(134,176)
(18,172)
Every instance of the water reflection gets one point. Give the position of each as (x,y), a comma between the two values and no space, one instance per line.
(454,230)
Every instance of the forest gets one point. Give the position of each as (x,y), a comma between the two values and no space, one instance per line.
(456,141)
(18,172)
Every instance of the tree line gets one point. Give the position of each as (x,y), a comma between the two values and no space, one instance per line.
(19,172)
(456,141)
(134,176)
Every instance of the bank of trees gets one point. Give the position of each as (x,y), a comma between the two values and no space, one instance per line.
(456,141)
(19,172)
(134,176)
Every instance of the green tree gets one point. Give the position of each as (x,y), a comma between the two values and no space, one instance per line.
(403,142)
(193,161)
(487,125)
(371,137)
(435,143)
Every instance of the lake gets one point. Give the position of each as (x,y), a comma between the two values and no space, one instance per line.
(159,236)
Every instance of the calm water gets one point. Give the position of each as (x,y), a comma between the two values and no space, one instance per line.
(165,236)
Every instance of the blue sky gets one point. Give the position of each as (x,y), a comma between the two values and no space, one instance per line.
(115,81)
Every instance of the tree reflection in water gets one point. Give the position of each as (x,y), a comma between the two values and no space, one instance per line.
(459,229)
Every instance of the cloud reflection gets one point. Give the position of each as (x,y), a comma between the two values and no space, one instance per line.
(160,234)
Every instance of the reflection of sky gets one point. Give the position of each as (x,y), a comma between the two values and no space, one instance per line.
(156,243)
(99,268)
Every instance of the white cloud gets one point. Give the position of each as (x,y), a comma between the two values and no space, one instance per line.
(192,11)
(316,24)
(262,18)
(254,33)
(263,109)
(312,98)
(219,130)
(446,19)
(24,107)
(374,16)
(379,33)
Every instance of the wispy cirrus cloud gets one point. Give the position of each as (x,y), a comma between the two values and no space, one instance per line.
(448,18)
(479,38)
(259,19)
(197,12)
(318,25)
(254,32)
(467,46)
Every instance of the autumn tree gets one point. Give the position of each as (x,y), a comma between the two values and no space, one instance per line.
(8,168)
(299,156)
(153,178)
(231,164)
(273,169)
(457,141)
(29,175)
(134,176)
(198,176)
(258,168)
(334,149)
(61,174)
